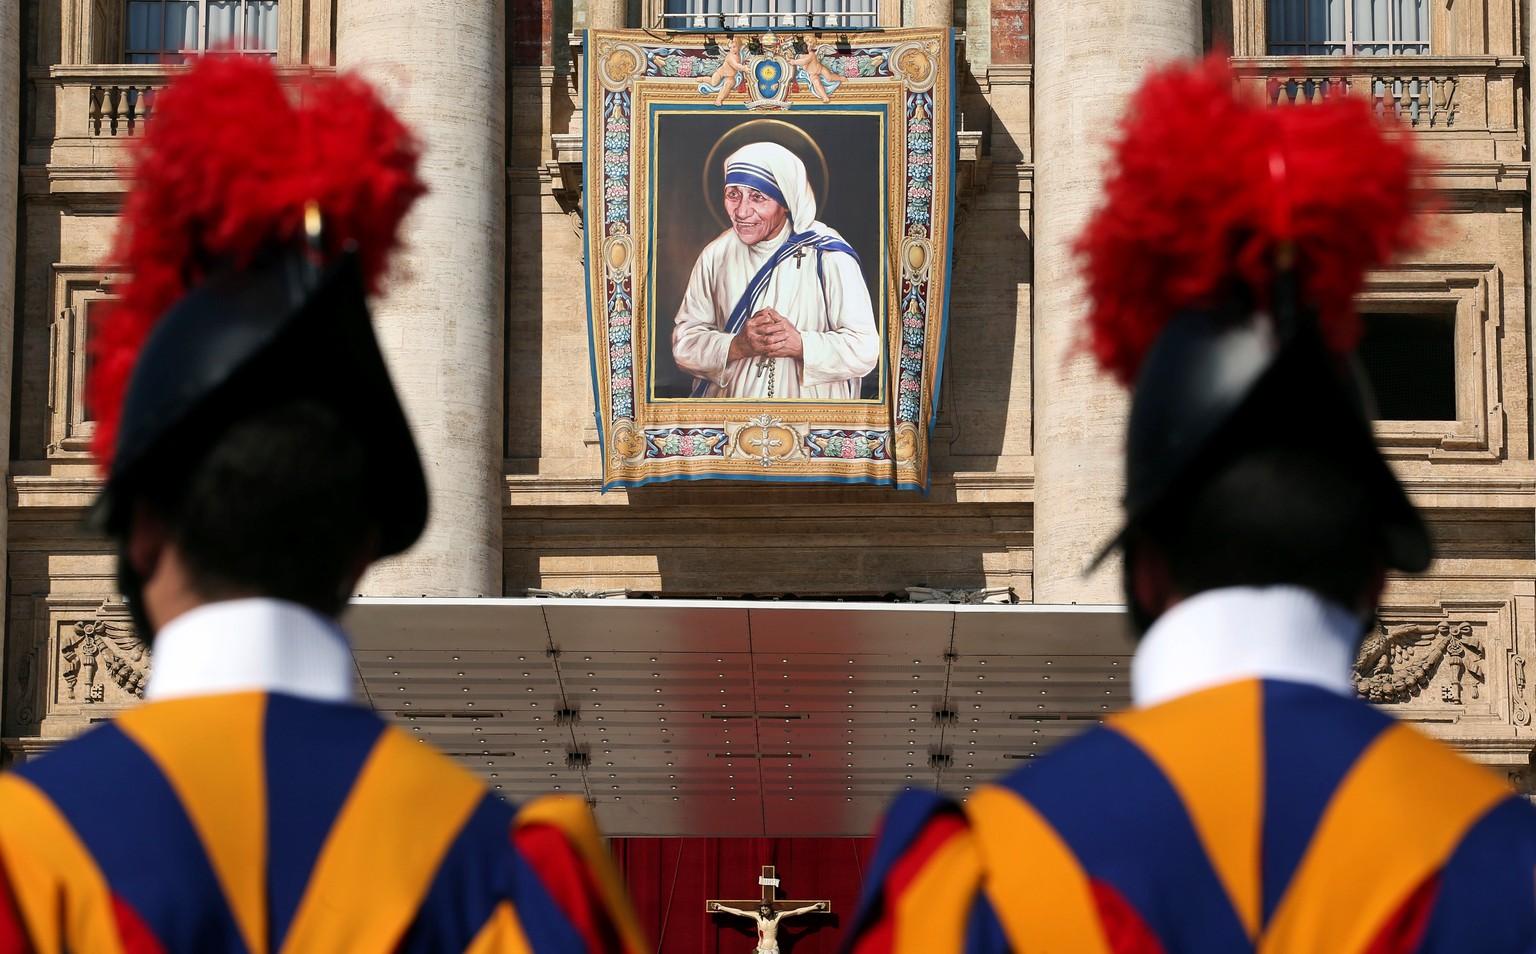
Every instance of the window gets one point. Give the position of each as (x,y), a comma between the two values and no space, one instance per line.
(733,14)
(1447,370)
(78,292)
(1348,27)
(163,29)
(1410,362)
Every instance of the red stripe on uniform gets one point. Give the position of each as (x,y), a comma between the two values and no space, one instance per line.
(1402,932)
(13,934)
(1124,929)
(132,931)
(566,878)
(881,936)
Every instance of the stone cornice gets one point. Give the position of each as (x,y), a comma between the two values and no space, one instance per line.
(84,188)
(968,487)
(1513,750)
(523,76)
(1475,177)
(56,493)
(24,748)
(1010,74)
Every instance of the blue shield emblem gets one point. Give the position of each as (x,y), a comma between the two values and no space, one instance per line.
(769,75)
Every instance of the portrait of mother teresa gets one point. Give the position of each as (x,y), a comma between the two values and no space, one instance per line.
(776,306)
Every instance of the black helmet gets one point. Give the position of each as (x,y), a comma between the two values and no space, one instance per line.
(1220,383)
(250,339)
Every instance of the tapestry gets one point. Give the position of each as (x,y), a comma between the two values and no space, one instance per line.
(768,225)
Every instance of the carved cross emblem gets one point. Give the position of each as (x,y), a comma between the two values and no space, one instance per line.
(763,444)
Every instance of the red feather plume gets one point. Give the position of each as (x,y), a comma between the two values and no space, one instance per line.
(1204,189)
(223,173)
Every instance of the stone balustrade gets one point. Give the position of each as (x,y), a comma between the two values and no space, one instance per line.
(121,110)
(102,101)
(1467,110)
(1417,100)
(86,114)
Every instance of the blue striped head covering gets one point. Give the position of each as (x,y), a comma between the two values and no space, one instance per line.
(777,173)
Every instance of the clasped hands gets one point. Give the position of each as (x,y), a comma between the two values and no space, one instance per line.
(767,334)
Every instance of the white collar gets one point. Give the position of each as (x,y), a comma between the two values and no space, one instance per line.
(1244,632)
(251,645)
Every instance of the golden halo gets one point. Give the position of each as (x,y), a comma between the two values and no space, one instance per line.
(788,135)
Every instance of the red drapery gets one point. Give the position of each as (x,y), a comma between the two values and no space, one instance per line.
(671,878)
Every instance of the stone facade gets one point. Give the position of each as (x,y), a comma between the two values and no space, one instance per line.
(488,332)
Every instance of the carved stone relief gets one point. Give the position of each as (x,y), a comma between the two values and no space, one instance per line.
(579,594)
(1398,662)
(1520,712)
(98,652)
(990,594)
(1459,662)
(1464,656)
(97,658)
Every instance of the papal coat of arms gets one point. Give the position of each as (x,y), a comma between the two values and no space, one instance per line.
(768,69)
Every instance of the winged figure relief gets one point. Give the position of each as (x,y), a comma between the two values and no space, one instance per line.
(1396,662)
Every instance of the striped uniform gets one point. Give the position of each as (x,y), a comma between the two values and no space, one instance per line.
(1260,815)
(259,822)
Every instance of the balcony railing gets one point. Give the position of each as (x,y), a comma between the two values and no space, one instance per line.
(1467,108)
(86,114)
(1415,99)
(121,110)
(106,101)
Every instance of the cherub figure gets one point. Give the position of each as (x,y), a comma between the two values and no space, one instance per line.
(727,74)
(822,81)
(767,922)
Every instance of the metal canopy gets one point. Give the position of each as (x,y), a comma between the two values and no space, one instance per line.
(738,718)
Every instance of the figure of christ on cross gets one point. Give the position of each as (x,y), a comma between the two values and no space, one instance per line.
(770,910)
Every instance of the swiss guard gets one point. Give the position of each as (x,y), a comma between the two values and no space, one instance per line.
(1248,801)
(257,461)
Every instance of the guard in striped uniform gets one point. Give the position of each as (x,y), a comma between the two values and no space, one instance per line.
(1249,801)
(258,460)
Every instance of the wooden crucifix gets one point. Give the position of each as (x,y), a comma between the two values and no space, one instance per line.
(767,910)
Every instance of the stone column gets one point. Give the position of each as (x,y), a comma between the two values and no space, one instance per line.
(1089,56)
(607,14)
(933,13)
(10,181)
(442,64)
